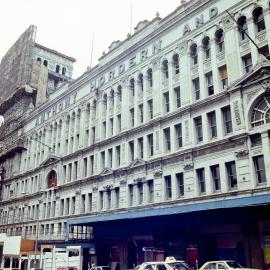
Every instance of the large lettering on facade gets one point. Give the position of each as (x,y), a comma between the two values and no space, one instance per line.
(56,108)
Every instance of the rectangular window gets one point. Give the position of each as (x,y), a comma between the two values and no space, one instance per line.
(101,200)
(65,173)
(131,194)
(166,102)
(117,194)
(201,180)
(92,165)
(209,82)
(104,127)
(177,97)
(215,177)
(85,167)
(118,156)
(62,207)
(73,205)
(109,199)
(150,108)
(231,174)
(180,184)
(196,88)
(140,113)
(140,147)
(69,171)
(168,187)
(102,161)
(83,203)
(259,169)
(223,76)
(227,118)
(167,139)
(212,124)
(67,206)
(119,125)
(198,128)
(256,139)
(93,135)
(110,157)
(90,201)
(247,62)
(75,170)
(178,136)
(150,184)
(140,192)
(131,113)
(131,150)
(111,126)
(150,145)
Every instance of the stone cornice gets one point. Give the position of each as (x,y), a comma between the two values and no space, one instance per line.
(178,201)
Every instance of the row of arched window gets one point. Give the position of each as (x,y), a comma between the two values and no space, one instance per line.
(57,67)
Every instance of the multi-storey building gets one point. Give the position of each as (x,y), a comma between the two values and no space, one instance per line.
(161,149)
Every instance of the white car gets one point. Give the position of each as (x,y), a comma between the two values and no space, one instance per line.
(175,265)
(223,265)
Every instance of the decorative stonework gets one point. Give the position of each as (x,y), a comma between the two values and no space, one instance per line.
(95,189)
(156,64)
(261,36)
(227,23)
(158,174)
(107,187)
(266,85)
(139,180)
(188,167)
(123,182)
(242,153)
(183,48)
(236,113)
(251,95)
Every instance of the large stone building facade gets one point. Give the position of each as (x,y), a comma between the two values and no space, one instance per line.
(161,149)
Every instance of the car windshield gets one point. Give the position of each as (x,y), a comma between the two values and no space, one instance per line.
(179,266)
(234,264)
(106,268)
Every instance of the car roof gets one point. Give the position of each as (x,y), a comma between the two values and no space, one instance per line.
(221,261)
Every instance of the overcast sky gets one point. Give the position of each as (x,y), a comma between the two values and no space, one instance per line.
(68,25)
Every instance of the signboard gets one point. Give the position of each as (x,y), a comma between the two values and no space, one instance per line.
(149,249)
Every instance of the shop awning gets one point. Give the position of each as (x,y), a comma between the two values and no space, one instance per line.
(223,202)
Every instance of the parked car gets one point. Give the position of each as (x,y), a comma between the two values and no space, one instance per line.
(223,265)
(175,265)
(100,268)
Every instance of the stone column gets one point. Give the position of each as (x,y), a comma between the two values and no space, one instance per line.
(171,77)
(252,34)
(201,58)
(76,121)
(124,104)
(157,100)
(145,192)
(185,77)
(158,177)
(216,78)
(223,178)
(231,43)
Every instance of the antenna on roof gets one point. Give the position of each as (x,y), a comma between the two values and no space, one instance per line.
(131,13)
(92,46)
